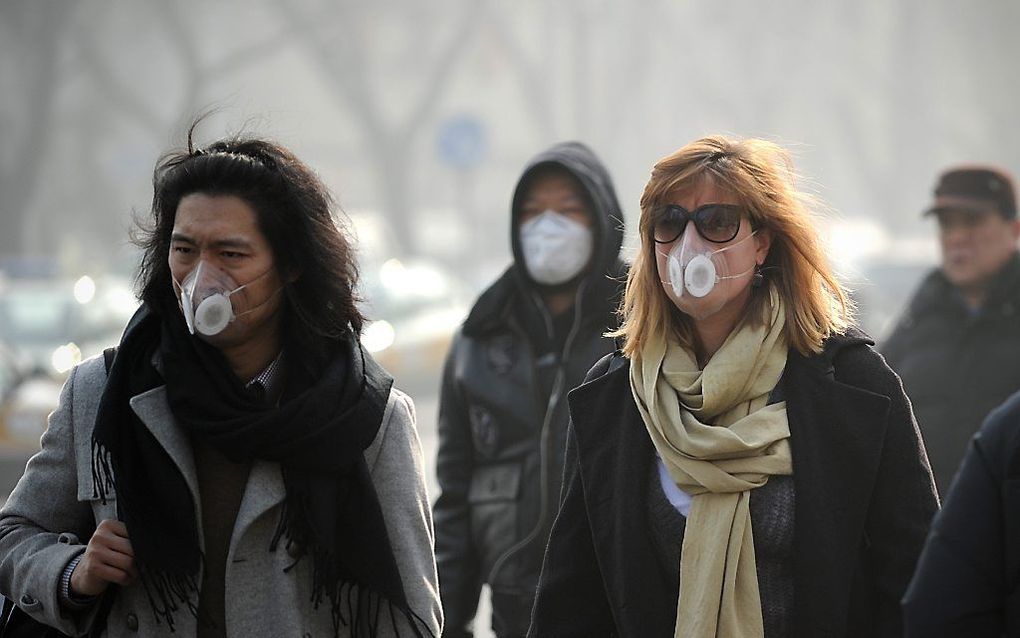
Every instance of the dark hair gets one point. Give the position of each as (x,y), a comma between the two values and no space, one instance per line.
(295,213)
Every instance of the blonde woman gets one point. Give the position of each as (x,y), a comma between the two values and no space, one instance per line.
(748,465)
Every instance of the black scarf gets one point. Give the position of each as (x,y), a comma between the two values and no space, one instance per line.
(318,434)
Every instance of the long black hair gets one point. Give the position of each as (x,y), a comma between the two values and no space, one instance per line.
(296,214)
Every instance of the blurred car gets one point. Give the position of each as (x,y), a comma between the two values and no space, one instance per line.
(882,296)
(9,375)
(49,326)
(16,444)
(24,413)
(53,324)
(413,309)
(412,306)
(882,269)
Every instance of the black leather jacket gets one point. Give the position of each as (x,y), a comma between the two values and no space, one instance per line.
(503,417)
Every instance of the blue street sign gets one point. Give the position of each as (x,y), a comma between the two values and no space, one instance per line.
(461,142)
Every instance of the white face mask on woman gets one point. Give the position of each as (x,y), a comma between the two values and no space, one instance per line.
(703,278)
(556,248)
(207,299)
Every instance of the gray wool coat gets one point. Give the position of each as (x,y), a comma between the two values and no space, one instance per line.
(53,506)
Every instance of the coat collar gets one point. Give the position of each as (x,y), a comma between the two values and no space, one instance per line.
(837,432)
(509,296)
(263,491)
(937,293)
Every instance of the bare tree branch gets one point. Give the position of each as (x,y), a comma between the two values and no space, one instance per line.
(343,63)
(116,92)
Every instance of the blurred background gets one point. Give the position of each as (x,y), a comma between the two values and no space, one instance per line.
(419,116)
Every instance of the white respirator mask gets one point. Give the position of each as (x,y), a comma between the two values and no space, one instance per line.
(556,248)
(206,297)
(696,270)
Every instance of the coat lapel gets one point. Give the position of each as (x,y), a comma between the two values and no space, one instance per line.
(836,435)
(153,410)
(264,491)
(614,456)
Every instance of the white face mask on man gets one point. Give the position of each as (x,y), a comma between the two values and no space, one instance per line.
(206,297)
(556,248)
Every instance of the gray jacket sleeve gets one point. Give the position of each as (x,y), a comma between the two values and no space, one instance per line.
(43,524)
(395,463)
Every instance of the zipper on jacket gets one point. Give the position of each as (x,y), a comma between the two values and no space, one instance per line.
(545,434)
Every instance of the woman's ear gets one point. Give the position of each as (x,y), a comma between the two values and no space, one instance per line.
(762,242)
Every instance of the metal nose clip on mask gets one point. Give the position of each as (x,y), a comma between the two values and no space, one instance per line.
(205,299)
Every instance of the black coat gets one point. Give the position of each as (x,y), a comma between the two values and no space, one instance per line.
(968,578)
(503,418)
(956,367)
(864,499)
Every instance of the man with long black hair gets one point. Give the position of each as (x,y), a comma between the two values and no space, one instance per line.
(243,468)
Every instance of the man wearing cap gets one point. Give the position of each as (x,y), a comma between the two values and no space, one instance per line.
(957,346)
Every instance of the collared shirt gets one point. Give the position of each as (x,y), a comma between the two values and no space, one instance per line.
(268,383)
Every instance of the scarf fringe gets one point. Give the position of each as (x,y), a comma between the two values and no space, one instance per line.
(168,592)
(102,472)
(352,605)
(361,610)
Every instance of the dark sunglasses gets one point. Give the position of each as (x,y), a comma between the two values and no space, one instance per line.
(718,223)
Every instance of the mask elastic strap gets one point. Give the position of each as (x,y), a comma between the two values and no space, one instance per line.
(243,286)
(666,255)
(254,308)
(719,277)
(719,250)
(722,250)
(737,276)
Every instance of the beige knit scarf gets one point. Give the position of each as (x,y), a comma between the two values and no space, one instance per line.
(719,440)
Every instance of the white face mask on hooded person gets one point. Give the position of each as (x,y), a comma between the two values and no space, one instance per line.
(207,299)
(704,278)
(556,248)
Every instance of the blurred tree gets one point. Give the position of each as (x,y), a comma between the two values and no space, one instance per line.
(340,42)
(31,34)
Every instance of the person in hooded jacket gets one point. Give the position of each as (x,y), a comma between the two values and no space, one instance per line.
(748,466)
(529,338)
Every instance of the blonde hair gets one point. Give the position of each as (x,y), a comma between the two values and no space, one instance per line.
(760,175)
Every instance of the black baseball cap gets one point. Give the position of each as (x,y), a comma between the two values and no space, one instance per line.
(975,189)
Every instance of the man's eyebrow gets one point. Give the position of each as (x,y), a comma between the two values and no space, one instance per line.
(232,242)
(225,242)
